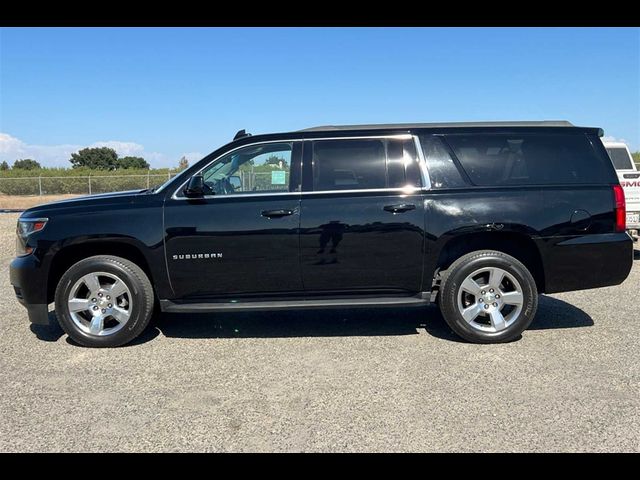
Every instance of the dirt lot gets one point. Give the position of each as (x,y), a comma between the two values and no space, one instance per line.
(21,202)
(329,380)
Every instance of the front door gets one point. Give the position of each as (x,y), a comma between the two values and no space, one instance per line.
(241,239)
(362,217)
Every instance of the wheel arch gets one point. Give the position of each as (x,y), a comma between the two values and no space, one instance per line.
(518,245)
(71,254)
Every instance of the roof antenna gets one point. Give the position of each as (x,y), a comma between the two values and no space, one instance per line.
(241,133)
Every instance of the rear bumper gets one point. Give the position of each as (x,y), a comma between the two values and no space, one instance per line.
(30,286)
(588,261)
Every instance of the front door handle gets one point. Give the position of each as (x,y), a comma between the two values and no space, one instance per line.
(401,207)
(276,213)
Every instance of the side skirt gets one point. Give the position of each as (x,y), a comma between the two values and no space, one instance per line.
(174,307)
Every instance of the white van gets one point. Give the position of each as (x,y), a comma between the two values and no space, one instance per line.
(629,177)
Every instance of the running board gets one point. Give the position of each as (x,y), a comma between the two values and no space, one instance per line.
(172,307)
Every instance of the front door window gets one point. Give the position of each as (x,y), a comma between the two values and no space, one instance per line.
(261,168)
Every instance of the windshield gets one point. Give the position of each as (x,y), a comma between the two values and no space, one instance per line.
(166,183)
(620,158)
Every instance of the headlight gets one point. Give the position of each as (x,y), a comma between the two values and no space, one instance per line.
(25,228)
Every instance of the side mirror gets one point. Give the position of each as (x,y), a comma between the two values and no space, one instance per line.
(195,187)
(235,181)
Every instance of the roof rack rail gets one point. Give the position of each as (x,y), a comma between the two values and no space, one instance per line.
(382,126)
(241,133)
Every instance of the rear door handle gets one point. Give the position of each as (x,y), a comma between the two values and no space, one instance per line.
(401,207)
(276,213)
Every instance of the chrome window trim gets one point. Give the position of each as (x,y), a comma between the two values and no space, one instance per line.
(407,190)
(403,190)
(397,136)
(236,195)
(400,136)
(182,185)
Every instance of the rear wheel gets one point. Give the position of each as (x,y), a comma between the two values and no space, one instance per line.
(104,301)
(488,297)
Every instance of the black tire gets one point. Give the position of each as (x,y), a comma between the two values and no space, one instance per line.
(141,306)
(465,266)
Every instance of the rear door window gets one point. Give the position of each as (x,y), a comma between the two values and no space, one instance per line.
(349,164)
(364,164)
(530,159)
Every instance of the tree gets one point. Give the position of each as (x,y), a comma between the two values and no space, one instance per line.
(100,158)
(4,165)
(183,164)
(26,164)
(275,160)
(132,162)
(636,158)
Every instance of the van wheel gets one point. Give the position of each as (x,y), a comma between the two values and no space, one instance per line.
(488,297)
(104,301)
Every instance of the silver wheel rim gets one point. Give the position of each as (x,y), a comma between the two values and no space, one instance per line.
(490,299)
(100,304)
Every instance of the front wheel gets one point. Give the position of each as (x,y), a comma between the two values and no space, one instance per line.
(104,301)
(488,297)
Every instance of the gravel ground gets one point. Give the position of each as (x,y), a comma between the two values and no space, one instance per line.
(360,380)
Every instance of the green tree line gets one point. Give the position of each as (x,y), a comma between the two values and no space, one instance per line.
(83,171)
(96,160)
(106,171)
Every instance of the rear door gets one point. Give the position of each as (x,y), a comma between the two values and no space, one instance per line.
(362,216)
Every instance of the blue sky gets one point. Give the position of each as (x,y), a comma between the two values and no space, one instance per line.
(163,93)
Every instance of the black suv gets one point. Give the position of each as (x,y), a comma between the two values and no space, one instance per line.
(478,217)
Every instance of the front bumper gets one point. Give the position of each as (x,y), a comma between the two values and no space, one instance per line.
(30,285)
(38,313)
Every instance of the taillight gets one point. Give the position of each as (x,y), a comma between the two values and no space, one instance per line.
(620,208)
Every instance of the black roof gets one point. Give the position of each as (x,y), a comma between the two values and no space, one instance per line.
(390,126)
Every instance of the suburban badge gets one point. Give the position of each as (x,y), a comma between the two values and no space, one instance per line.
(197,256)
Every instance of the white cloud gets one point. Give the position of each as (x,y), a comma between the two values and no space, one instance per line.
(123,148)
(614,139)
(12,148)
(9,144)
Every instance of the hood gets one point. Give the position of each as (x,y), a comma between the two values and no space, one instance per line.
(97,200)
(84,198)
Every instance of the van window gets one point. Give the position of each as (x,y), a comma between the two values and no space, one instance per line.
(530,159)
(620,158)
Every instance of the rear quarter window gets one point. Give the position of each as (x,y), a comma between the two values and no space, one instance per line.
(531,159)
(443,172)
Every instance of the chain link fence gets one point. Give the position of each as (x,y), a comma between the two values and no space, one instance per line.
(249,181)
(90,184)
(79,184)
